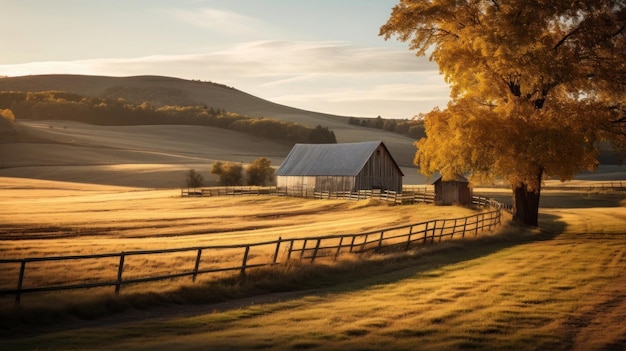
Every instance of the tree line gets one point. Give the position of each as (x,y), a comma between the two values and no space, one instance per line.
(58,105)
(413,128)
(259,172)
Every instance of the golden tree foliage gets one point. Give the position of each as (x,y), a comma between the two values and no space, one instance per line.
(534,86)
(7,114)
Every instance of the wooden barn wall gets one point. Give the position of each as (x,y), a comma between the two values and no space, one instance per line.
(380,172)
(319,183)
(465,194)
(448,193)
(295,182)
(335,183)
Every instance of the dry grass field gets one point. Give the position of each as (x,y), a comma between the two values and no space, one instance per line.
(49,218)
(563,289)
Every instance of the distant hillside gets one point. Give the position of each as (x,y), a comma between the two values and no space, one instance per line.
(167,91)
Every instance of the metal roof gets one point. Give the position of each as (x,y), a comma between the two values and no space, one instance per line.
(328,159)
(459,179)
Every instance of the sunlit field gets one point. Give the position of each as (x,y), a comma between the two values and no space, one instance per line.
(560,288)
(44,218)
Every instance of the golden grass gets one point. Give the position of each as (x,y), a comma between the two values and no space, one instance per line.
(44,218)
(522,290)
(518,291)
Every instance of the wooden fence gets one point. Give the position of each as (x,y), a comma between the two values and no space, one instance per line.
(615,185)
(409,195)
(207,258)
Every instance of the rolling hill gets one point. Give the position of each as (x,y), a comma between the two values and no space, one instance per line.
(61,143)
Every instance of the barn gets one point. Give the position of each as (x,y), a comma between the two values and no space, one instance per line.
(453,192)
(339,167)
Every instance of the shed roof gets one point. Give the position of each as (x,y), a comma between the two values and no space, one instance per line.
(460,179)
(345,159)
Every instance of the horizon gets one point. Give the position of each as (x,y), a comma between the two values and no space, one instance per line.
(323,57)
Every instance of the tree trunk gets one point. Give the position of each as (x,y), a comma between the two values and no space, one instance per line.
(526,203)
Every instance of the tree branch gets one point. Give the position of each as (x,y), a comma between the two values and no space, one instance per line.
(564,39)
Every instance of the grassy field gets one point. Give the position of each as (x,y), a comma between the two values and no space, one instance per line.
(562,288)
(45,218)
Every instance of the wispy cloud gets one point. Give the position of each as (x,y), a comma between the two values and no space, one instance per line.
(300,73)
(221,21)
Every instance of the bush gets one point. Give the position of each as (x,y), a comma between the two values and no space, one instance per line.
(260,172)
(228,174)
(194,179)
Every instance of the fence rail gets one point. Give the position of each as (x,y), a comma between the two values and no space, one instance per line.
(311,248)
(408,195)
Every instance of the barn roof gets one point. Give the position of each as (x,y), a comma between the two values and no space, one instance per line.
(459,179)
(345,159)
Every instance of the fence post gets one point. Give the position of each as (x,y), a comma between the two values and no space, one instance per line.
(195,269)
(432,237)
(20,280)
(317,246)
(443,227)
(426,233)
(453,230)
(364,245)
(408,241)
(303,248)
(352,243)
(245,260)
(464,228)
(380,241)
(339,247)
(290,249)
(277,249)
(120,270)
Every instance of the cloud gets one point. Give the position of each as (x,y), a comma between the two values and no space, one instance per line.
(297,73)
(326,57)
(252,59)
(221,21)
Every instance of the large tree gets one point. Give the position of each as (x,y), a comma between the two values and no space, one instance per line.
(535,86)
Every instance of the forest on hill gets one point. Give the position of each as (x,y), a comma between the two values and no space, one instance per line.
(60,105)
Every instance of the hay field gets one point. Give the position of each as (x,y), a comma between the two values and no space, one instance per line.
(49,218)
(518,290)
(524,290)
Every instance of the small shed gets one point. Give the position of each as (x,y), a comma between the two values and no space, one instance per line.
(453,192)
(340,167)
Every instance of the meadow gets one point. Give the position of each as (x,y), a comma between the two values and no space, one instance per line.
(46,218)
(562,287)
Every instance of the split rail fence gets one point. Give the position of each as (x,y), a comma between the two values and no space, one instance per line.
(409,195)
(204,260)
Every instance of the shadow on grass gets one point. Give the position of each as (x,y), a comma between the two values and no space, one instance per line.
(549,223)
(283,283)
(569,199)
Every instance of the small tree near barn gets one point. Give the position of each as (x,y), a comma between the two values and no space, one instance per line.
(534,89)
(260,172)
(228,174)
(194,179)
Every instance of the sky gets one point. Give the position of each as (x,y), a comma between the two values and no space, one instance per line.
(318,55)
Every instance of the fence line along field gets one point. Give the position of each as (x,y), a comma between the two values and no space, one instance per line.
(44,218)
